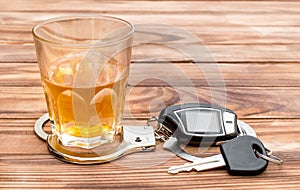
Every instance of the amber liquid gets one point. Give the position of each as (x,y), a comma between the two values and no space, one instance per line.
(85,101)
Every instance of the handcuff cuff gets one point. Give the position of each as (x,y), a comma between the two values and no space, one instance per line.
(173,121)
(134,139)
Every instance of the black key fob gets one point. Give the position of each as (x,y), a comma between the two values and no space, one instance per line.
(196,123)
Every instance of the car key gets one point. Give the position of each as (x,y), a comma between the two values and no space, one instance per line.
(196,123)
(238,155)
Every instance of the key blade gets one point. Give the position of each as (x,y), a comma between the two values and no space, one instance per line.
(190,166)
(211,165)
(177,169)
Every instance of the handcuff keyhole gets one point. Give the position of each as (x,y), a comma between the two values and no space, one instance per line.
(138,139)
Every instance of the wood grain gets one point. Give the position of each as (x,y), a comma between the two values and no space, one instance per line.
(275,133)
(234,41)
(254,50)
(28,164)
(206,74)
(153,6)
(174,19)
(142,102)
(18,34)
(218,53)
(167,74)
(20,23)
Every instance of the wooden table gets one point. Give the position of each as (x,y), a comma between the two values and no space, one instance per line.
(256,47)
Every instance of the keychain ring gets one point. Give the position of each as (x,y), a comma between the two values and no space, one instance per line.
(161,133)
(270,158)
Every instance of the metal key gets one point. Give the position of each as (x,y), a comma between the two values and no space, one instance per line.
(199,165)
(237,155)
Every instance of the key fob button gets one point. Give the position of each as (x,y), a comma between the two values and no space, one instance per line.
(229,122)
(240,158)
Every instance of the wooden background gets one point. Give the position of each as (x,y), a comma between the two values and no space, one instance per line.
(256,45)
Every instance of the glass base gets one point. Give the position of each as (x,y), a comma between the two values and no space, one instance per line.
(87,143)
(101,154)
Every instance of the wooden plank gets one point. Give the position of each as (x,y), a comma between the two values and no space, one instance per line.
(28,19)
(178,74)
(153,7)
(26,162)
(159,53)
(205,74)
(17,53)
(16,74)
(219,53)
(276,35)
(248,102)
(245,34)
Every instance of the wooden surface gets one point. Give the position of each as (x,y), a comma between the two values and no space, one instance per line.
(256,45)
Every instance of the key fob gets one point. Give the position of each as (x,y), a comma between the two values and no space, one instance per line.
(196,123)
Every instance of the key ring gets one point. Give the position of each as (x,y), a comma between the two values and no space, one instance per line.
(161,133)
(269,157)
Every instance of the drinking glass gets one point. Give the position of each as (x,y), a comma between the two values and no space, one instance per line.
(84,67)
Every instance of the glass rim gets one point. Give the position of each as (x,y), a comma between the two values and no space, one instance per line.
(64,18)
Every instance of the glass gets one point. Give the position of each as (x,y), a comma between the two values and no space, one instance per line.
(84,66)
